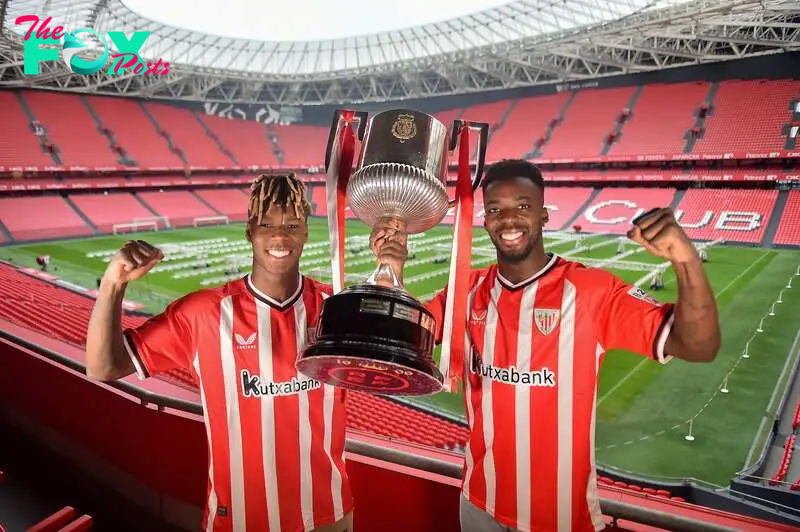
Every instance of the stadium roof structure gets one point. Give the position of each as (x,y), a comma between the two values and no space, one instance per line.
(521,43)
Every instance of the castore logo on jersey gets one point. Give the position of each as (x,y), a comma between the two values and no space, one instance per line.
(245,343)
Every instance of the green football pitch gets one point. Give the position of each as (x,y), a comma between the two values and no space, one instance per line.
(643,408)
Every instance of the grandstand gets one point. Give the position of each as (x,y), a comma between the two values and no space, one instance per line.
(625,108)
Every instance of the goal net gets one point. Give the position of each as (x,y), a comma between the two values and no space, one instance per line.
(162,222)
(210,220)
(134,227)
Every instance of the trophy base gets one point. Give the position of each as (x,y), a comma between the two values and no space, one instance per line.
(365,373)
(374,339)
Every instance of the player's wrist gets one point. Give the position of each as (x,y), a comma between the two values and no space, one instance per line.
(112,286)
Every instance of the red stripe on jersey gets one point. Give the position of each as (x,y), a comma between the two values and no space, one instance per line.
(502,415)
(544,426)
(584,376)
(209,378)
(249,320)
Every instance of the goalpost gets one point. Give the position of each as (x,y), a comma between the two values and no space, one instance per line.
(134,227)
(210,220)
(163,220)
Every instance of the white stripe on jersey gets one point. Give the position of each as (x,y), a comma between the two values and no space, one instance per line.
(265,370)
(592,496)
(231,381)
(212,492)
(522,408)
(469,457)
(566,349)
(486,398)
(336,475)
(306,483)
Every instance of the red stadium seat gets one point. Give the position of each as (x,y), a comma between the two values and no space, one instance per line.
(55,522)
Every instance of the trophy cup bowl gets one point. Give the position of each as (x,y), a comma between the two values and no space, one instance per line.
(376,338)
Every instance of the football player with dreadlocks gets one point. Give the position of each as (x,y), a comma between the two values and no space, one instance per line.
(275,437)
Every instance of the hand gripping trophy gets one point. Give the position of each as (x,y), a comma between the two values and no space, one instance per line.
(376,338)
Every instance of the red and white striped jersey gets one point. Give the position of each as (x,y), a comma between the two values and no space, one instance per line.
(535,350)
(276,438)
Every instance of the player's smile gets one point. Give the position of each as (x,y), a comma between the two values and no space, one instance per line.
(279,253)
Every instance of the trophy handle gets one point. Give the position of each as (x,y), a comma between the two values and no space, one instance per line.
(483,140)
(360,116)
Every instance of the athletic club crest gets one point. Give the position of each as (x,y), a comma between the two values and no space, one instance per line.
(546,319)
(404,128)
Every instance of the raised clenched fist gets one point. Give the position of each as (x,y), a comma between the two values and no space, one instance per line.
(132,261)
(660,234)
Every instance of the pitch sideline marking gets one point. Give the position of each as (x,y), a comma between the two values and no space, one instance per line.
(645,360)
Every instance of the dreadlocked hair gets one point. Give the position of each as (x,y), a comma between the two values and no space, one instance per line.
(284,190)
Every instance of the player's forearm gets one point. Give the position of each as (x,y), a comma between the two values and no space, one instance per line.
(106,358)
(695,332)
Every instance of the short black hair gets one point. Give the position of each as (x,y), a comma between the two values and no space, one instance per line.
(510,169)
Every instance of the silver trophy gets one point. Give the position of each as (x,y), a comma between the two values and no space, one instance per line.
(376,338)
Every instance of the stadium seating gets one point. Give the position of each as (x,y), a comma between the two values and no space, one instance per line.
(45,308)
(180,207)
(247,141)
(761,104)
(733,215)
(71,128)
(30,218)
(134,132)
(302,146)
(188,135)
(660,120)
(231,202)
(491,113)
(612,210)
(563,203)
(105,210)
(788,233)
(19,145)
(527,124)
(591,117)
(783,466)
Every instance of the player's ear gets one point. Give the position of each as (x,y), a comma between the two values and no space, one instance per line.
(248,232)
(545,216)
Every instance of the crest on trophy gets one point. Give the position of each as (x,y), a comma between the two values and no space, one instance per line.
(404,127)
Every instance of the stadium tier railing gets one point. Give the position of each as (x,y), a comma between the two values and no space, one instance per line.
(373,447)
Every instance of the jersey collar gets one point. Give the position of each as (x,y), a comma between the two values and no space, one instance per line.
(508,285)
(272,302)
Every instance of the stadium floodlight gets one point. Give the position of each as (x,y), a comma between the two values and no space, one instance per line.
(746,353)
(760,326)
(690,436)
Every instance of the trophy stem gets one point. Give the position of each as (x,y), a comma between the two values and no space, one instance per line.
(384,275)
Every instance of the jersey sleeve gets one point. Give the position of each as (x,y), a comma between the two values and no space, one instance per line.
(436,307)
(633,320)
(162,343)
